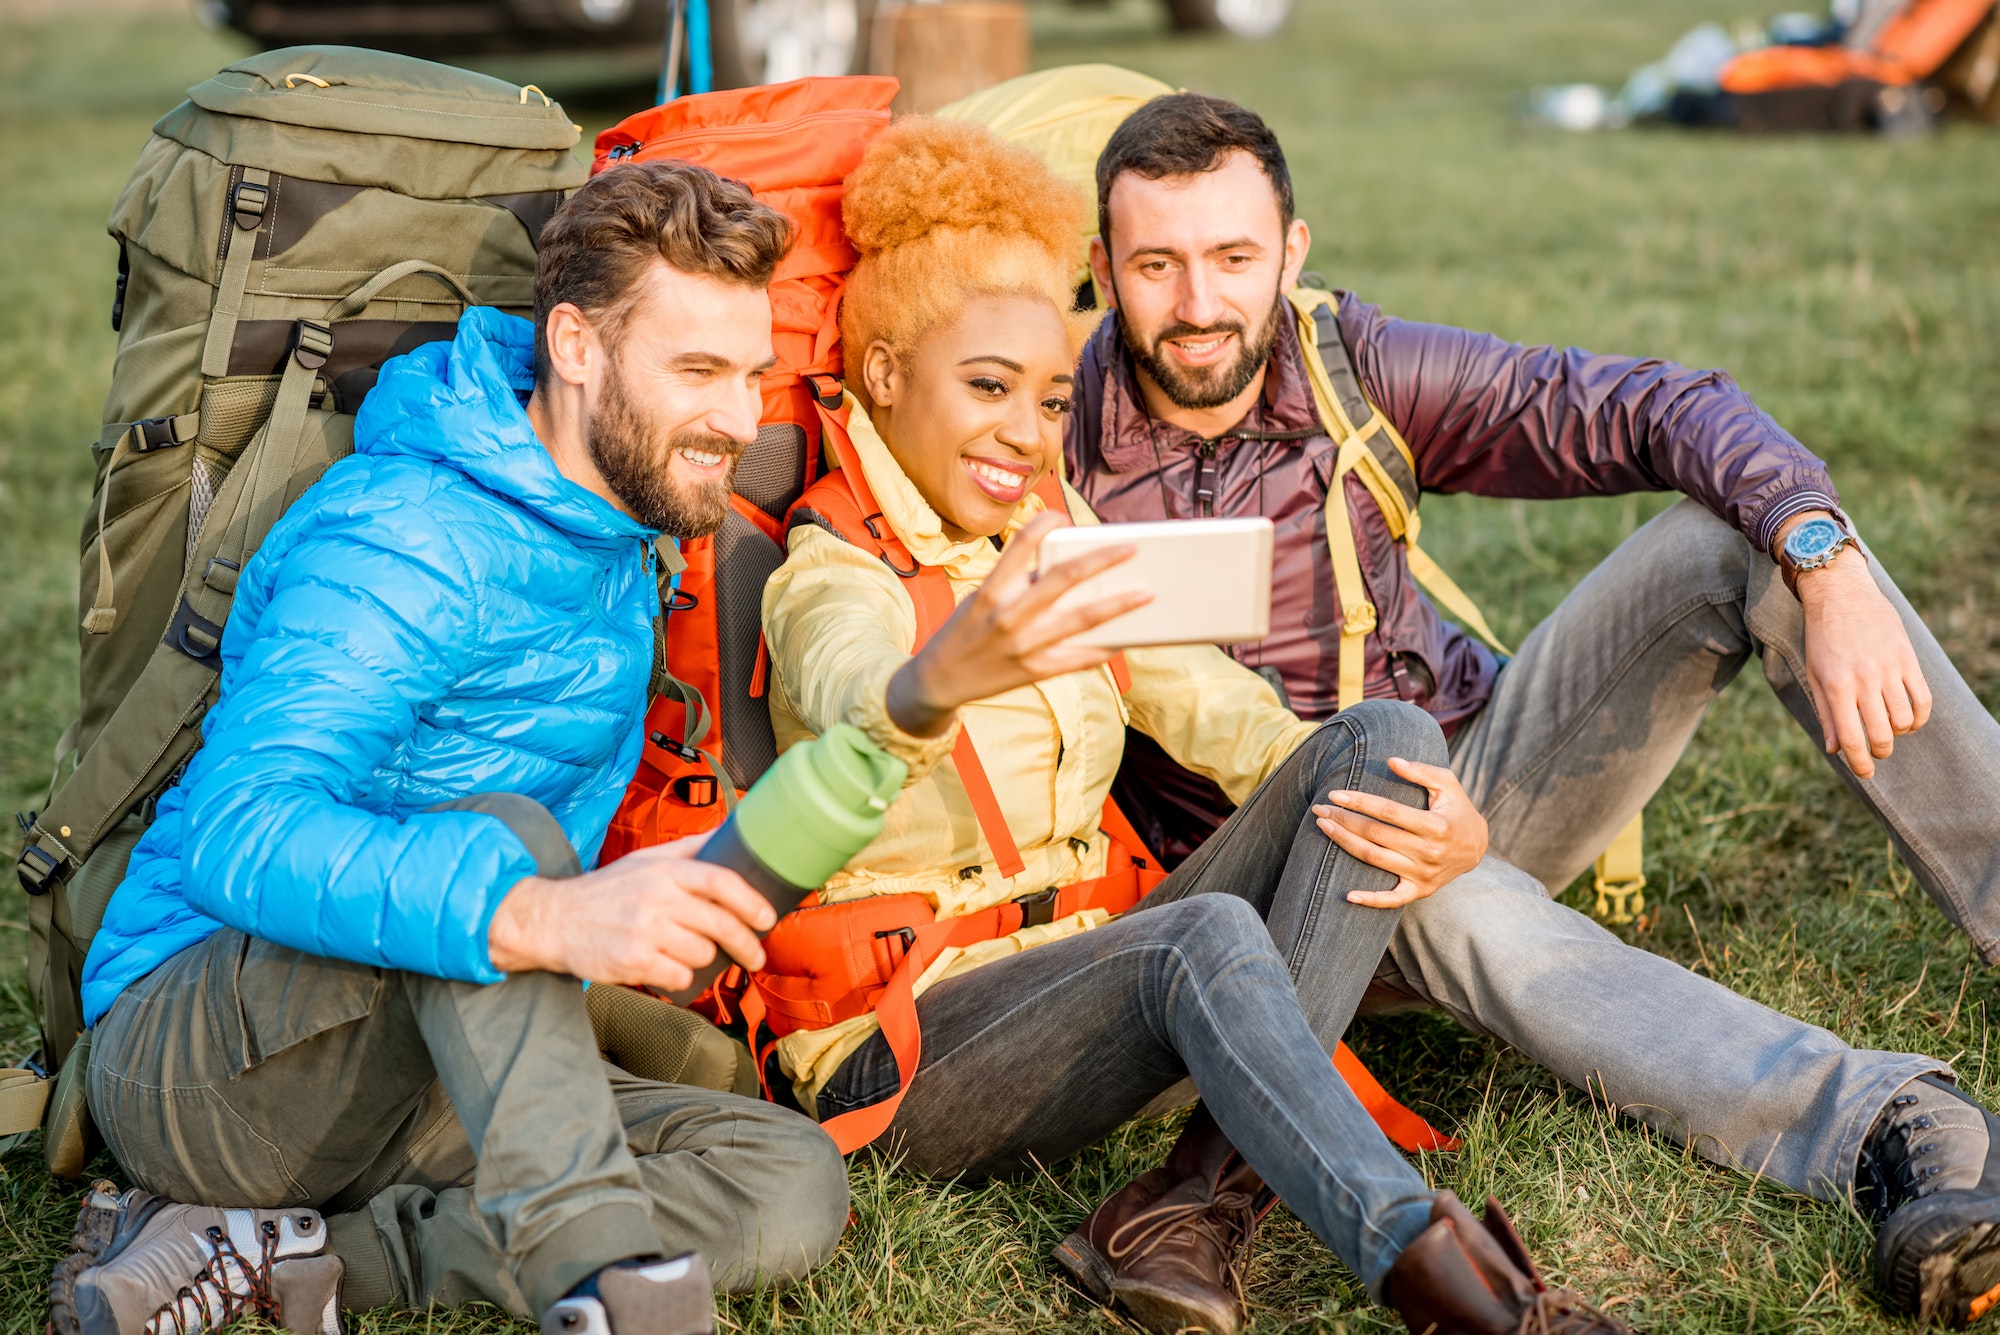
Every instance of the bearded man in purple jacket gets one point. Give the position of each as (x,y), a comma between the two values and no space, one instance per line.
(1194,399)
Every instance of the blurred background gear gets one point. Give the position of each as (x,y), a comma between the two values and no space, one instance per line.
(750,41)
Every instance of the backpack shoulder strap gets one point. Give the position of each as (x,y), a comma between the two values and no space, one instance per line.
(1337,388)
(1376,453)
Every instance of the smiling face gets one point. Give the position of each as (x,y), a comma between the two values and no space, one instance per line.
(1197,266)
(675,400)
(974,411)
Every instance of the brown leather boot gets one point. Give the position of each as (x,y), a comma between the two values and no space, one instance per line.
(1170,1247)
(1464,1278)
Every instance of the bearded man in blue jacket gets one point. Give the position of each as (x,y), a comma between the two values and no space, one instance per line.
(338,1034)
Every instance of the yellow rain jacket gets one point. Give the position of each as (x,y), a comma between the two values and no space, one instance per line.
(839,624)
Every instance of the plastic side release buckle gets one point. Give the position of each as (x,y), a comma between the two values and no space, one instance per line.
(1620,902)
(1038,909)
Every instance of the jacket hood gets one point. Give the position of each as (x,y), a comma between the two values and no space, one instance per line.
(461,404)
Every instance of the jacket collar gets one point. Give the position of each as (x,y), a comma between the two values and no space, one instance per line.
(912,518)
(461,405)
(1129,434)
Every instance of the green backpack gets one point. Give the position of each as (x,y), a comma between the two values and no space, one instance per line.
(304,215)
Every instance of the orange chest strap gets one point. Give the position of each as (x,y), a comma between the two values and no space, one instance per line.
(844,499)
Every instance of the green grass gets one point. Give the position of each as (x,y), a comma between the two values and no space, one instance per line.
(1852,286)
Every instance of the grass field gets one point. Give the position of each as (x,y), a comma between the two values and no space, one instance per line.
(1853,287)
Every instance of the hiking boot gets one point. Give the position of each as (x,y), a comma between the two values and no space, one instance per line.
(1929,1177)
(1464,1278)
(1171,1247)
(648,1296)
(140,1265)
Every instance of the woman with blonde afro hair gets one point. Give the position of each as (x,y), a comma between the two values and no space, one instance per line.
(1242,969)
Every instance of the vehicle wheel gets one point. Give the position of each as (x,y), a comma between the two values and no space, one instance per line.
(1242,18)
(772,41)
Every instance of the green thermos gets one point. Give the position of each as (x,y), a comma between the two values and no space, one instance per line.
(822,803)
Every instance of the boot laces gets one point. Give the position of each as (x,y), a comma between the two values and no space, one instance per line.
(213,1280)
(1896,1166)
(1564,1312)
(1227,1221)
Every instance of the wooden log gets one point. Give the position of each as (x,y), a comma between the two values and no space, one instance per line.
(944,51)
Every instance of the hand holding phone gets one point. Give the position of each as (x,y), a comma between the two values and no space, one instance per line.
(1014,631)
(1208,581)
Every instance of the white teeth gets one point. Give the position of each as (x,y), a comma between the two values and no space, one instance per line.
(1201,349)
(998,476)
(700,459)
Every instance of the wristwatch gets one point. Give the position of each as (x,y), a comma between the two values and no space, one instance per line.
(1809,546)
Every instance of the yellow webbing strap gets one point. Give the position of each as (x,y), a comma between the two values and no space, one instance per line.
(1621,875)
(24,1096)
(1358,616)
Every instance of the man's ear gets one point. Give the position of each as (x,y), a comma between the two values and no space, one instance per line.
(880,375)
(1298,244)
(572,343)
(1100,273)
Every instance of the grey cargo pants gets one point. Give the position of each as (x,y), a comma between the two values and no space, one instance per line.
(466,1142)
(1582,729)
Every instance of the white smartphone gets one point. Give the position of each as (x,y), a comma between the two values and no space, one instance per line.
(1210,580)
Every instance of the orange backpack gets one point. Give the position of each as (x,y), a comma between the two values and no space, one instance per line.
(1912,45)
(793,144)
(709,730)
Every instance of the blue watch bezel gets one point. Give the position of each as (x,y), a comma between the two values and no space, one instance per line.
(1812,541)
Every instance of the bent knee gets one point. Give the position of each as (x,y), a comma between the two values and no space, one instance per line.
(799,1180)
(1385,728)
(1207,933)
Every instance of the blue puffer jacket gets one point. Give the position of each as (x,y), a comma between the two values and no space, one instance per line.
(442,614)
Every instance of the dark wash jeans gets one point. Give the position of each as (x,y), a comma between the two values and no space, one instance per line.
(1242,970)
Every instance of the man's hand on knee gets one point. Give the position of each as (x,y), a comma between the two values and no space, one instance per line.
(1861,668)
(1426,849)
(649,919)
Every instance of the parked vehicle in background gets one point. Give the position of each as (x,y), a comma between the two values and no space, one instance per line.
(752,41)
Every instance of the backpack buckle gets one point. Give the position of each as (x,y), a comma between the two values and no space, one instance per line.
(828,395)
(1039,909)
(36,869)
(195,635)
(157,433)
(679,748)
(247,203)
(312,343)
(696,790)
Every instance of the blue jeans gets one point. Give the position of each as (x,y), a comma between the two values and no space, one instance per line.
(1242,970)
(1583,727)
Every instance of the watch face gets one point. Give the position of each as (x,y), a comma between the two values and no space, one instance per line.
(1812,539)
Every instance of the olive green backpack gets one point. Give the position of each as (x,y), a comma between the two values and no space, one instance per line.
(304,215)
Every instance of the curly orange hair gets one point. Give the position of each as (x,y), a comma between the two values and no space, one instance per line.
(940,211)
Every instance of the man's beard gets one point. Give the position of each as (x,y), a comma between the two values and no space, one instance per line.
(634,456)
(1203,386)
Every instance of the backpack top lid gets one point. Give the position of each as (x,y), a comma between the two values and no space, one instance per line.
(772,137)
(358,91)
(1066,115)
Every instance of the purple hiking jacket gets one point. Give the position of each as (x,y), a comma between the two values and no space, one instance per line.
(1480,415)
